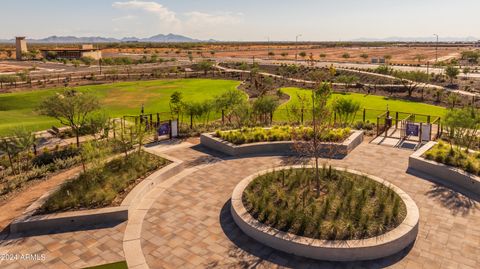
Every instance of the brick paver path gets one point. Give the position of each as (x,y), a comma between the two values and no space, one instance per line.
(63,249)
(190,226)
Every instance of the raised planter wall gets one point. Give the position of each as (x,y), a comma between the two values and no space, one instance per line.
(338,250)
(275,148)
(77,219)
(446,174)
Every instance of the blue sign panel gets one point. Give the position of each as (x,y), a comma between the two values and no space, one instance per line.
(412,129)
(164,129)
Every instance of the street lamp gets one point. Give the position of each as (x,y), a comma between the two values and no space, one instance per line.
(268,47)
(436,49)
(296,47)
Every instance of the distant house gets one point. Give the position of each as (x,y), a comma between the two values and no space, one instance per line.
(378,60)
(72,53)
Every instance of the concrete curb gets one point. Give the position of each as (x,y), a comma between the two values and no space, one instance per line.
(345,250)
(447,175)
(276,148)
(76,219)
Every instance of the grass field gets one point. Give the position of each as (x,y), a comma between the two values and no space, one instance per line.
(370,102)
(118,99)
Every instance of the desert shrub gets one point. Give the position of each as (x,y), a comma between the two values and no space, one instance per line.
(100,187)
(455,156)
(48,157)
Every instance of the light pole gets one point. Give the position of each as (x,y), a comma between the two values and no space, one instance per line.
(436,49)
(268,47)
(296,47)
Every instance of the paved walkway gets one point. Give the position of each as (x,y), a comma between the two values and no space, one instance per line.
(189,224)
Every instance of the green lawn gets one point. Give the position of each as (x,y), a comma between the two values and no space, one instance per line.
(372,102)
(118,99)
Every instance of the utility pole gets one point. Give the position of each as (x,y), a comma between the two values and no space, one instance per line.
(296,47)
(436,49)
(268,48)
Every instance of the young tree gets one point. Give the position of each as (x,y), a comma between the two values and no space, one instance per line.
(346,110)
(264,107)
(364,56)
(348,80)
(387,57)
(176,100)
(419,57)
(228,102)
(321,125)
(452,72)
(346,55)
(302,54)
(70,108)
(462,126)
(205,66)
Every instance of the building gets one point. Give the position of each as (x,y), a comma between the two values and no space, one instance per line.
(21,47)
(73,53)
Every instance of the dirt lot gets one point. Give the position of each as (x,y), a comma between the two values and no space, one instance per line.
(400,55)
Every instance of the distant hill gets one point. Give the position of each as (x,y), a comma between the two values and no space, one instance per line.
(418,39)
(160,38)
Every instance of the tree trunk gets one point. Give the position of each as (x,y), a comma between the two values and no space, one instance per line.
(77,136)
(7,148)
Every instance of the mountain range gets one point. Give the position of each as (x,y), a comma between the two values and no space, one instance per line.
(170,38)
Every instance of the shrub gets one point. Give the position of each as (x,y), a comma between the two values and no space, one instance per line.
(100,187)
(279,133)
(455,156)
(350,207)
(48,157)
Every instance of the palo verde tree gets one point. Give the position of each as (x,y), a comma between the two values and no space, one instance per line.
(411,80)
(452,72)
(346,110)
(462,126)
(70,108)
(228,101)
(264,107)
(205,66)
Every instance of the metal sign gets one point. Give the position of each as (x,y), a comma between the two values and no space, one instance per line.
(426,132)
(412,129)
(164,129)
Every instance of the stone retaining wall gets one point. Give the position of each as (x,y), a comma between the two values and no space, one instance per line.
(339,250)
(277,147)
(448,175)
(76,219)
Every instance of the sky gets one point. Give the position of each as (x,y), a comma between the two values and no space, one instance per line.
(241,20)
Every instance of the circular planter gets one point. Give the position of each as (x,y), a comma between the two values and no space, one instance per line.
(336,250)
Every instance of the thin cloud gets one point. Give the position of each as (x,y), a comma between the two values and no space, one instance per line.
(200,18)
(163,13)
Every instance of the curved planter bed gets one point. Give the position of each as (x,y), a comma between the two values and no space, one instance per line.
(275,148)
(76,219)
(447,174)
(339,250)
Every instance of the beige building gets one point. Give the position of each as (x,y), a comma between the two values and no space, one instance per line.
(21,47)
(73,53)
